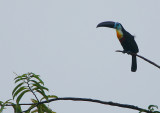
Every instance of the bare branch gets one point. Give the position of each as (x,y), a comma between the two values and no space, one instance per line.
(91,100)
(149,61)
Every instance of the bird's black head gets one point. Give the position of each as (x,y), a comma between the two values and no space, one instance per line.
(110,24)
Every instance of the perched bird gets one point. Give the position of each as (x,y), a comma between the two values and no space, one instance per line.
(126,39)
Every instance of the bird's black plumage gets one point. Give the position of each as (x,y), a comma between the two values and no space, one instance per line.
(126,39)
(129,44)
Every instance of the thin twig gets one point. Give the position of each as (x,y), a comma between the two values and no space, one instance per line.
(33,94)
(90,100)
(149,61)
(32,91)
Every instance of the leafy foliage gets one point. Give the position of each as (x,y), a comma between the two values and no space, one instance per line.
(2,104)
(152,108)
(32,83)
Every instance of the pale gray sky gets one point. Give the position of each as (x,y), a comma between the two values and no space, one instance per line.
(59,40)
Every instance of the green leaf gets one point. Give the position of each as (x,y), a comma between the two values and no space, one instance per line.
(31,74)
(46,109)
(37,77)
(1,103)
(2,108)
(40,109)
(35,82)
(20,96)
(52,96)
(20,79)
(38,86)
(18,91)
(17,87)
(151,107)
(42,93)
(8,101)
(17,108)
(30,108)
(49,96)
(24,75)
(39,91)
(34,100)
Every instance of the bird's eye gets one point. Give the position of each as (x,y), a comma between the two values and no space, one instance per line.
(116,25)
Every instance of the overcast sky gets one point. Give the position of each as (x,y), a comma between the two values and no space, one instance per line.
(59,41)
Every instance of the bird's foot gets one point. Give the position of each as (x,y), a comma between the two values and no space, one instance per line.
(128,52)
(124,51)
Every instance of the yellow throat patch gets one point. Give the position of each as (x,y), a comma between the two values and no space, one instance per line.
(119,34)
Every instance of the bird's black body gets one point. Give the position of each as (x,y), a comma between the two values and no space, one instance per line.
(128,43)
(126,39)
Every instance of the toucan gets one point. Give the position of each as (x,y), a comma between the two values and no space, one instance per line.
(126,39)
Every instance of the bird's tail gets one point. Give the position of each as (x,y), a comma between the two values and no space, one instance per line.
(134,63)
